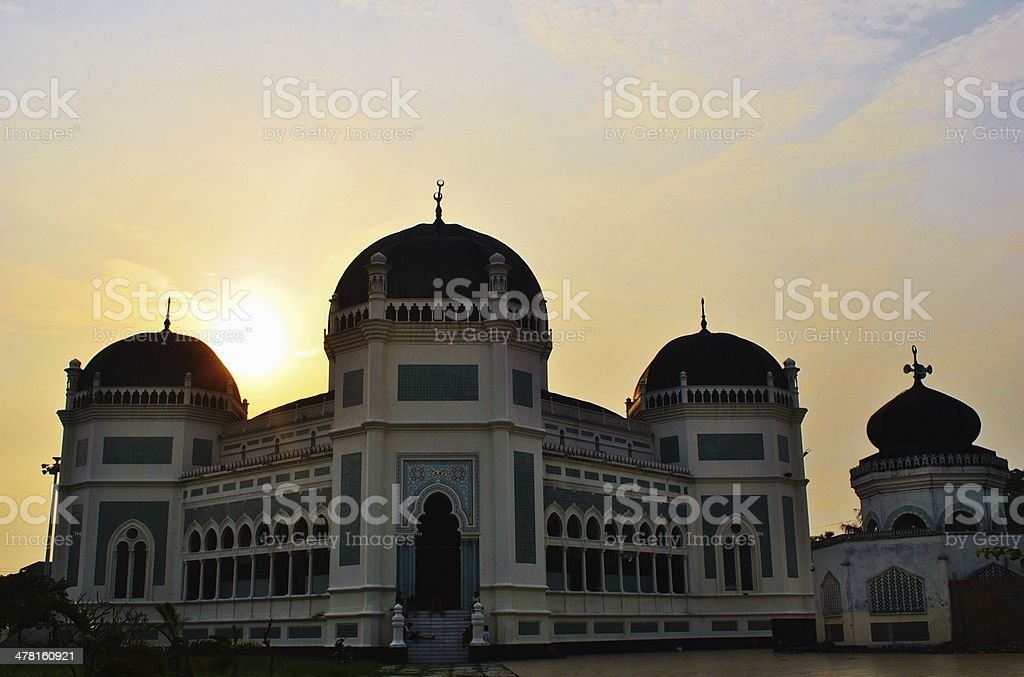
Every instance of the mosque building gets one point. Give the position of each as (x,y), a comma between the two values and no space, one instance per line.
(442,472)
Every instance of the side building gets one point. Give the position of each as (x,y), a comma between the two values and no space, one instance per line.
(930,499)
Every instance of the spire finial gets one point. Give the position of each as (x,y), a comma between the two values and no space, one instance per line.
(167,317)
(919,370)
(703,317)
(437,199)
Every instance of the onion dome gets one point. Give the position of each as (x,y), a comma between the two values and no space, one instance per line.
(711,359)
(159,359)
(426,257)
(922,420)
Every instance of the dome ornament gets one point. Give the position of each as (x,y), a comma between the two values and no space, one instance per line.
(703,317)
(167,317)
(437,199)
(919,370)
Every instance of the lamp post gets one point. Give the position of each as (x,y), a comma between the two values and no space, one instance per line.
(51,469)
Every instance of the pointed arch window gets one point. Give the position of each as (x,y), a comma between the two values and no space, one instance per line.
(130,563)
(831,597)
(737,553)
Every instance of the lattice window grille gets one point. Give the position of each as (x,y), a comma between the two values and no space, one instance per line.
(897,592)
(993,571)
(831,600)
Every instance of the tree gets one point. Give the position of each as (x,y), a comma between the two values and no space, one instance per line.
(113,638)
(1014,490)
(29,601)
(179,648)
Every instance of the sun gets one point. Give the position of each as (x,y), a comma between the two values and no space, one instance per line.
(253,347)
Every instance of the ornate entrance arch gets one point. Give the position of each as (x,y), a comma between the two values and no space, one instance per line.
(438,555)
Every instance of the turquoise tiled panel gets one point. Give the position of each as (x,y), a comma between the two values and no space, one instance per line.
(438,382)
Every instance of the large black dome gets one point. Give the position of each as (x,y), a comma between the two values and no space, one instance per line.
(711,358)
(921,420)
(159,359)
(425,252)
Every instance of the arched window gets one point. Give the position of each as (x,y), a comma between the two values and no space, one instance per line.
(645,534)
(211,540)
(737,553)
(908,521)
(300,531)
(573,528)
(195,542)
(871,527)
(121,552)
(628,535)
(320,528)
(554,526)
(561,438)
(129,563)
(227,539)
(262,535)
(244,536)
(896,591)
(593,529)
(831,597)
(280,533)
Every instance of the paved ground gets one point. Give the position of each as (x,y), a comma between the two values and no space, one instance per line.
(484,670)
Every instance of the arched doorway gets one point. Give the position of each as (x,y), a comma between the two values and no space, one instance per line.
(438,556)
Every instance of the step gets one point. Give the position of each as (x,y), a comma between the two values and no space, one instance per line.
(447,646)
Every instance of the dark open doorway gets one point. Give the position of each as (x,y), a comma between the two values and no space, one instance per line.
(438,560)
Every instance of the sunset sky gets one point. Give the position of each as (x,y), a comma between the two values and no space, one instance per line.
(855,177)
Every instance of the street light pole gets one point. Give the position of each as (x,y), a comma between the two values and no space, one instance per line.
(51,469)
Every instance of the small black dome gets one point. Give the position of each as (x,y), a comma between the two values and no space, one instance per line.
(422,253)
(712,359)
(921,420)
(159,359)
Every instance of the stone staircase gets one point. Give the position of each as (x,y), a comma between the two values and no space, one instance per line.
(446,630)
